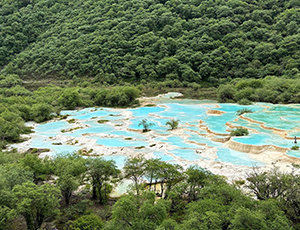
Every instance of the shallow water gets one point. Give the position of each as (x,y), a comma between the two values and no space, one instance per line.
(186,154)
(123,130)
(120,142)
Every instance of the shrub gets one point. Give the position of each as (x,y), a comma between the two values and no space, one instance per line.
(173,123)
(295,147)
(244,101)
(70,99)
(71,121)
(91,221)
(42,112)
(239,132)
(102,121)
(146,125)
(244,110)
(225,93)
(121,96)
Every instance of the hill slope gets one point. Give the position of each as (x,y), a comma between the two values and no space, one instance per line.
(149,39)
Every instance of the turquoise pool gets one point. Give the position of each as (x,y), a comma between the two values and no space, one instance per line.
(127,133)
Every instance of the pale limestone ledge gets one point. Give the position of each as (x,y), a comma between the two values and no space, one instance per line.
(152,100)
(266,154)
(230,171)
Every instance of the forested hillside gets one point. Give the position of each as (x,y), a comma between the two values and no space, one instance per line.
(189,40)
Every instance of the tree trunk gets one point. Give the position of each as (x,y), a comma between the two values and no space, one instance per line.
(105,196)
(68,195)
(150,183)
(29,221)
(40,220)
(168,189)
(94,192)
(100,195)
(162,188)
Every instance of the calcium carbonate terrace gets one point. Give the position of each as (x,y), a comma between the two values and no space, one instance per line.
(201,138)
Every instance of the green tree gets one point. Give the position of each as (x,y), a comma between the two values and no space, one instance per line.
(248,220)
(71,170)
(132,212)
(11,126)
(244,110)
(134,169)
(169,175)
(14,174)
(205,221)
(70,99)
(67,185)
(151,171)
(168,224)
(38,166)
(196,179)
(102,173)
(173,123)
(91,221)
(6,216)
(41,112)
(226,93)
(274,184)
(36,203)
(146,125)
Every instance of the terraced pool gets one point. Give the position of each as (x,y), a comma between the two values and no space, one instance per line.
(202,126)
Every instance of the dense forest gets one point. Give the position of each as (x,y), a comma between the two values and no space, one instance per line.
(117,40)
(72,193)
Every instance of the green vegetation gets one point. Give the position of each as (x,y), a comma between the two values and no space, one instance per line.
(150,105)
(102,121)
(146,125)
(270,89)
(247,49)
(71,121)
(101,174)
(132,41)
(190,199)
(70,129)
(239,132)
(105,53)
(173,124)
(35,203)
(88,222)
(56,143)
(19,105)
(242,111)
(295,147)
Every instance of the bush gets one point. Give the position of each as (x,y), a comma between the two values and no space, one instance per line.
(226,93)
(244,94)
(245,101)
(239,132)
(70,99)
(244,110)
(86,222)
(295,147)
(173,123)
(121,96)
(146,125)
(41,112)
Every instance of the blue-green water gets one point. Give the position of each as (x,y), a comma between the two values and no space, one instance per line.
(124,131)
